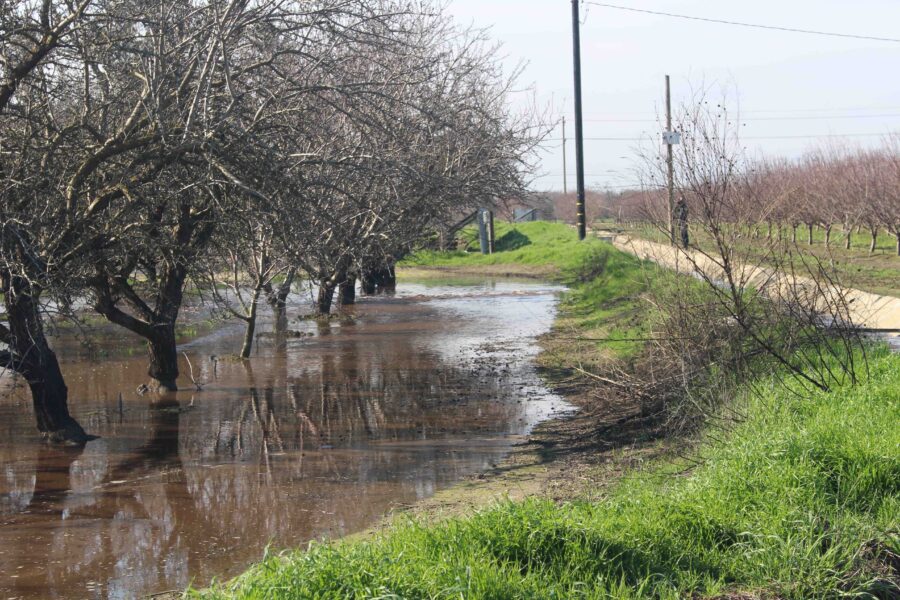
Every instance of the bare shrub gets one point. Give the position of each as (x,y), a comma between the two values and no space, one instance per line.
(734,318)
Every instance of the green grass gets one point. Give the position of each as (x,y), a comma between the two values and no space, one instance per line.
(801,501)
(604,307)
(537,243)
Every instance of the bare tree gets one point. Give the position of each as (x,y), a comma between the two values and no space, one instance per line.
(48,191)
(144,143)
(742,315)
(248,75)
(384,169)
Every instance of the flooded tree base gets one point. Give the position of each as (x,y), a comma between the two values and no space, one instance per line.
(73,435)
(317,436)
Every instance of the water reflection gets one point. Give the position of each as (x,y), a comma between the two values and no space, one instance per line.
(317,436)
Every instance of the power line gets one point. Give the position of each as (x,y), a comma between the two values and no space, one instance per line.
(753,25)
(620,186)
(742,137)
(754,119)
(586,175)
(833,109)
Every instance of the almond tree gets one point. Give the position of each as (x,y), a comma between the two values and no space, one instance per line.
(72,146)
(379,176)
(245,80)
(885,177)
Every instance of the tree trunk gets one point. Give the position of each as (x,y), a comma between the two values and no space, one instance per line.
(379,279)
(794,234)
(279,311)
(387,278)
(277,299)
(828,236)
(163,350)
(874,243)
(247,346)
(156,325)
(30,355)
(326,297)
(769,231)
(809,229)
(348,291)
(849,240)
(367,283)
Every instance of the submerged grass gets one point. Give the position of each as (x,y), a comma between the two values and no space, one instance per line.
(799,500)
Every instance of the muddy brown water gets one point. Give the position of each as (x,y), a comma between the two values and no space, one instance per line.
(313,439)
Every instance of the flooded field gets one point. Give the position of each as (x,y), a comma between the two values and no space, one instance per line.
(313,438)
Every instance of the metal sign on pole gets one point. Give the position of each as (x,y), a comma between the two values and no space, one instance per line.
(579,130)
(490,231)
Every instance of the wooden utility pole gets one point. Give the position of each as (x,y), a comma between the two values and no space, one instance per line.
(565,172)
(579,131)
(670,167)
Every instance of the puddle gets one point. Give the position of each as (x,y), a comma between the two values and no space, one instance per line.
(315,440)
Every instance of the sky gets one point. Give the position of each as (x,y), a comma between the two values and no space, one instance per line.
(793,90)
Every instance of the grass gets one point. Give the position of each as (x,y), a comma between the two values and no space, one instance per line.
(801,501)
(552,248)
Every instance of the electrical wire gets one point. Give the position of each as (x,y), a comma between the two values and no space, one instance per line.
(754,119)
(752,25)
(633,116)
(742,137)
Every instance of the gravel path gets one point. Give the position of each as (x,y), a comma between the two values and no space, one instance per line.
(871,311)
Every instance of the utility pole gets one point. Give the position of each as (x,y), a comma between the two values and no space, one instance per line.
(565,173)
(670,182)
(579,131)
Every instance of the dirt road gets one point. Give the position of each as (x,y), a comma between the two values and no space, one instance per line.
(868,310)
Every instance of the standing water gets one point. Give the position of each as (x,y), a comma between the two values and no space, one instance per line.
(312,439)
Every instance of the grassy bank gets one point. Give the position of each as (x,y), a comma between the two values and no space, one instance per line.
(545,248)
(801,499)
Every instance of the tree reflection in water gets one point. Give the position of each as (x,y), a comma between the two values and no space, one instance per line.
(316,437)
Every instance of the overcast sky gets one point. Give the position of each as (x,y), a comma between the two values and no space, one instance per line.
(787,84)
